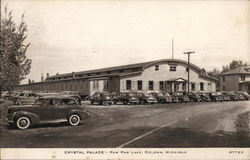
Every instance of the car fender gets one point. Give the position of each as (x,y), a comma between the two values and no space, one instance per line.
(33,117)
(81,113)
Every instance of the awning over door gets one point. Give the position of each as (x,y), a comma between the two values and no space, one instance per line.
(177,80)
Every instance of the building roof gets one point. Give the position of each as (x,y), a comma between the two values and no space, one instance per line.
(239,70)
(176,79)
(140,66)
(136,65)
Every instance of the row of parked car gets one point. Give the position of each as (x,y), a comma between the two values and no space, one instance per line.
(152,97)
(29,97)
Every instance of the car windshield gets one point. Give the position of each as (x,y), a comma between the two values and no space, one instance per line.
(148,94)
(245,93)
(159,94)
(166,94)
(22,94)
(106,94)
(231,93)
(214,94)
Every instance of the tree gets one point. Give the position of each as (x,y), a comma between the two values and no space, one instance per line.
(203,70)
(14,64)
(214,73)
(233,65)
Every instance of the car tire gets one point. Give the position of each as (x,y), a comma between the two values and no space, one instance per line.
(142,102)
(74,120)
(23,122)
(125,102)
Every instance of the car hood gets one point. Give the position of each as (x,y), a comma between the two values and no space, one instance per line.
(18,107)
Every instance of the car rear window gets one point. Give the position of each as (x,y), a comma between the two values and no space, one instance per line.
(68,102)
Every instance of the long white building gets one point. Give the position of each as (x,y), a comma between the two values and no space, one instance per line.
(169,75)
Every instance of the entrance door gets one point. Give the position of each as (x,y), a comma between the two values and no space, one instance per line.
(176,87)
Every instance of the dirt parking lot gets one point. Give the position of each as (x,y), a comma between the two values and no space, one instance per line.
(216,124)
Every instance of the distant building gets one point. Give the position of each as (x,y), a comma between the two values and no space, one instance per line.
(42,78)
(162,75)
(236,80)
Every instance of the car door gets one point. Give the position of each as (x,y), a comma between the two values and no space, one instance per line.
(49,110)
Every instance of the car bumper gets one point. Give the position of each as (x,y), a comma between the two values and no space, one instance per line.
(107,101)
(134,101)
(151,101)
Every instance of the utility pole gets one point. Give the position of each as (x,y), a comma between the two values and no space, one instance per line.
(188,53)
(172,48)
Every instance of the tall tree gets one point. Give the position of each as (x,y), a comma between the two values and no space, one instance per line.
(214,73)
(233,65)
(14,64)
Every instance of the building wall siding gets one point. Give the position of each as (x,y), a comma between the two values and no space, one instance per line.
(163,74)
(231,83)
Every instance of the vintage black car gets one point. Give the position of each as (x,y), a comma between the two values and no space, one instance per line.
(245,95)
(193,96)
(215,97)
(146,98)
(240,96)
(101,97)
(26,99)
(204,97)
(179,97)
(126,98)
(51,109)
(82,95)
(161,97)
(232,95)
(175,98)
(224,96)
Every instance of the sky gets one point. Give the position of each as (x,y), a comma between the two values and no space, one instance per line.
(76,35)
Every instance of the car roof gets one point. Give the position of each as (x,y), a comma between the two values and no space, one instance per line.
(102,92)
(56,97)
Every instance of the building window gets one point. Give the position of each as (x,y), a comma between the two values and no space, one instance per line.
(157,67)
(183,87)
(128,84)
(139,85)
(242,77)
(105,87)
(108,72)
(135,69)
(120,71)
(95,84)
(172,68)
(223,78)
(192,86)
(224,88)
(186,69)
(150,85)
(161,85)
(202,86)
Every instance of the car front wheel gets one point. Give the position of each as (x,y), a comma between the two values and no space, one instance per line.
(74,120)
(23,122)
